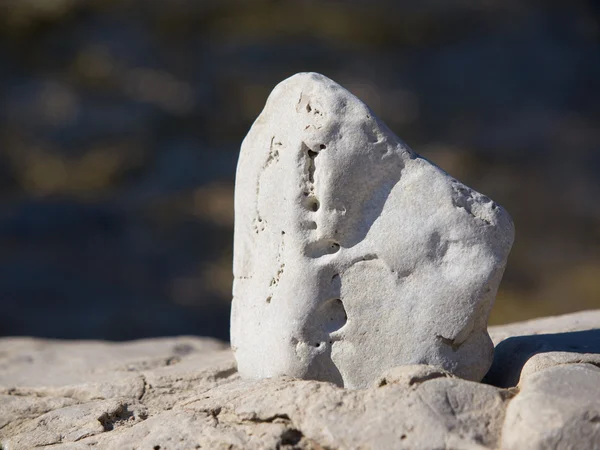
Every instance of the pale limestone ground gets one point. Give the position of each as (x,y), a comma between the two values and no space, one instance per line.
(185,393)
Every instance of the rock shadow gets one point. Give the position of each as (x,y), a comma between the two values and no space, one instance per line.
(322,368)
(511,354)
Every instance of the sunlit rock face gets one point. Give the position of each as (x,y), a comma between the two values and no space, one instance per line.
(352,254)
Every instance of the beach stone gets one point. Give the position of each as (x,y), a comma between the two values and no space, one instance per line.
(557,408)
(352,254)
(542,361)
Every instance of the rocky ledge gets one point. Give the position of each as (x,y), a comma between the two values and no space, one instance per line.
(184,393)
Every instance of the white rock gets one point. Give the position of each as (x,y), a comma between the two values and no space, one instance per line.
(557,408)
(543,361)
(352,255)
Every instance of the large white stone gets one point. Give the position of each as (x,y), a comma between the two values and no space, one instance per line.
(352,254)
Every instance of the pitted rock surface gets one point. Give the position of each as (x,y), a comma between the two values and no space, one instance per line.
(185,393)
(352,254)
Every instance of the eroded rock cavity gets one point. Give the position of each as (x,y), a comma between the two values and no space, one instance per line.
(352,254)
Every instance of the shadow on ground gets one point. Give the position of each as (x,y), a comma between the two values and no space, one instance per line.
(511,354)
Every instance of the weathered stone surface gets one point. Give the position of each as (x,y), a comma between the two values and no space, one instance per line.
(185,393)
(557,408)
(352,254)
(194,399)
(436,413)
(56,391)
(411,375)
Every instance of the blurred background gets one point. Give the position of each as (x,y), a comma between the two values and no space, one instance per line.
(120,126)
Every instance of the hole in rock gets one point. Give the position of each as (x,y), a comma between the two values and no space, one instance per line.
(317,344)
(308,107)
(322,146)
(321,248)
(311,163)
(291,437)
(312,204)
(111,420)
(311,225)
(332,315)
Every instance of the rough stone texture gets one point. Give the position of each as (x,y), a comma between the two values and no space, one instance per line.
(558,408)
(62,392)
(184,393)
(352,254)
